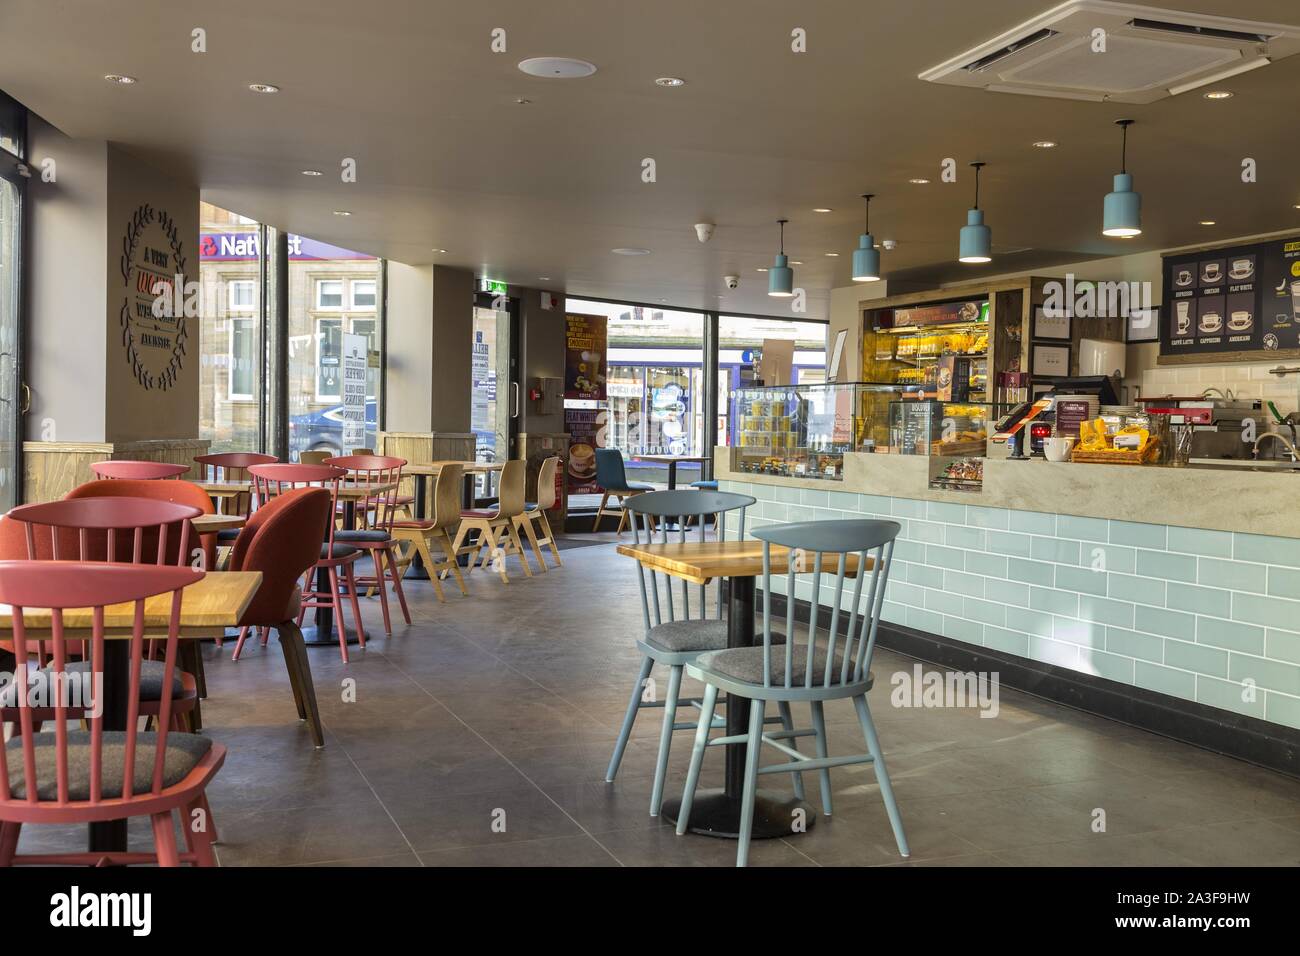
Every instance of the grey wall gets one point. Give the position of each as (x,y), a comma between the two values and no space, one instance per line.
(542,355)
(453,339)
(409,348)
(66,276)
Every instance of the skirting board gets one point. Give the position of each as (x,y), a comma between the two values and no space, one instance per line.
(1235,735)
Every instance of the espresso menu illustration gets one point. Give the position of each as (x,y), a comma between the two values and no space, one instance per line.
(1233,300)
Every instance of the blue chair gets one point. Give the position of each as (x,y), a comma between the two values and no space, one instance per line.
(612,477)
(705,485)
(821,668)
(673,636)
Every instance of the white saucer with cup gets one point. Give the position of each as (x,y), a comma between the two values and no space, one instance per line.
(1057,448)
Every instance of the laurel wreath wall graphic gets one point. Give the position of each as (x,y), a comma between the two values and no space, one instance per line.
(142,220)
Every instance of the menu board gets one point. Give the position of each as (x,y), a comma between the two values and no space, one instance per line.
(1241,299)
(944,313)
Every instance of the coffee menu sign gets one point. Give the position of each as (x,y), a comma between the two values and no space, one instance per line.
(1242,299)
(585,338)
(153,258)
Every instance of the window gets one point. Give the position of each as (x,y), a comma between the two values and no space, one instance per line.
(242,295)
(363,294)
(740,337)
(329,353)
(329,293)
(369,328)
(243,349)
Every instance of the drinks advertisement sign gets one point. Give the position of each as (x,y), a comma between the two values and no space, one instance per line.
(585,344)
(1241,299)
(354,391)
(586,428)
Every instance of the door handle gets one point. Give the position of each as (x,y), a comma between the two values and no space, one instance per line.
(26,405)
(514,399)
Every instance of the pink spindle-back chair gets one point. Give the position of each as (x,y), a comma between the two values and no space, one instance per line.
(148,470)
(270,481)
(103,773)
(123,530)
(233,466)
(375,512)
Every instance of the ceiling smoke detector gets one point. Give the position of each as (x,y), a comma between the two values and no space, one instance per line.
(1150,53)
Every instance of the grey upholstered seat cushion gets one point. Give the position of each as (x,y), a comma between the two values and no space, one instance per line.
(746,664)
(376,537)
(183,753)
(151,681)
(694,635)
(228,536)
(339,550)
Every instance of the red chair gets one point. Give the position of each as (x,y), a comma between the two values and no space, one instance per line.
(101,774)
(271,481)
(281,540)
(121,530)
(144,470)
(233,466)
(375,512)
(179,492)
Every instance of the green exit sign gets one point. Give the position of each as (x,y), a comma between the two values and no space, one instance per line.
(494,287)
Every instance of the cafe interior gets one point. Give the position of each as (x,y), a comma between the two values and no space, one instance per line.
(898,403)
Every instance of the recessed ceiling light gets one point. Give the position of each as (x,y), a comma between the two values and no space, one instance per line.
(1045,144)
(795,262)
(120,78)
(630,251)
(543,278)
(523,101)
(1218,95)
(822,209)
(439,250)
(762,269)
(341,212)
(832,254)
(312,172)
(670,81)
(557,67)
(1208,222)
(918,182)
(1296,206)
(263,88)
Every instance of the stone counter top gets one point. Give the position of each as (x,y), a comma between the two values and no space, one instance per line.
(1213,499)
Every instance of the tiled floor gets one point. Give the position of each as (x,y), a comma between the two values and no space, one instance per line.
(479,735)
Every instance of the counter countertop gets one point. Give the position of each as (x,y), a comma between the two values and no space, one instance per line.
(1210,498)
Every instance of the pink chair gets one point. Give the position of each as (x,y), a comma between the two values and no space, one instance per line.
(233,466)
(102,774)
(269,481)
(375,513)
(122,530)
(147,470)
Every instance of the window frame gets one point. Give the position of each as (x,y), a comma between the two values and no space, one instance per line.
(319,285)
(251,323)
(374,294)
(234,308)
(323,398)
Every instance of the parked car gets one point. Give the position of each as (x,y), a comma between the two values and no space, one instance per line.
(322,430)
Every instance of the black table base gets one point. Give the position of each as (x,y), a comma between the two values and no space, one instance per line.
(109,836)
(717,814)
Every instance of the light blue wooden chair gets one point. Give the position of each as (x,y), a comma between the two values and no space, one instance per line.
(827,666)
(674,636)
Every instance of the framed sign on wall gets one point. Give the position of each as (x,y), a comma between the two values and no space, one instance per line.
(1049,361)
(1050,325)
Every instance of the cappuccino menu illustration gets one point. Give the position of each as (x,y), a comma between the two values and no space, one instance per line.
(1233,300)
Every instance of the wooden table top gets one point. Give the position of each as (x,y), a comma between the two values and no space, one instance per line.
(431,468)
(225,489)
(211,524)
(229,489)
(669,459)
(208,607)
(702,561)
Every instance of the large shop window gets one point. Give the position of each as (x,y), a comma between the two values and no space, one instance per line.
(740,340)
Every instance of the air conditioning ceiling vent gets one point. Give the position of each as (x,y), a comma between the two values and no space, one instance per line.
(1149,54)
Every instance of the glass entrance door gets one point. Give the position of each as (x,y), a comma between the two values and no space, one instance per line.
(496,399)
(12,405)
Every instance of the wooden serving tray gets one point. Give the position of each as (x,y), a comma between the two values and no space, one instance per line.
(957,449)
(1111,457)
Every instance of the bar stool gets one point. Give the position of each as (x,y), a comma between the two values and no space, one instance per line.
(821,669)
(671,635)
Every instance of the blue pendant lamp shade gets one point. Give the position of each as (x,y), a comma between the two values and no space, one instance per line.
(976,240)
(1122,211)
(866,258)
(780,278)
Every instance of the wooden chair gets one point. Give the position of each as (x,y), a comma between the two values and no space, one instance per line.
(375,515)
(496,529)
(334,557)
(672,636)
(363,451)
(312,457)
(823,668)
(535,513)
(143,470)
(612,478)
(99,775)
(418,534)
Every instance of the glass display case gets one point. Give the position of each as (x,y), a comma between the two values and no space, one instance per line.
(954,435)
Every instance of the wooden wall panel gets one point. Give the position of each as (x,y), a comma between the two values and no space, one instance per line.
(52,469)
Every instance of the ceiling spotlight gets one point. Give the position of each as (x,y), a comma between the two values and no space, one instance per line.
(543,278)
(1219,95)
(630,251)
(557,67)
(1045,144)
(523,101)
(822,209)
(120,78)
(764,268)
(1208,222)
(795,262)
(263,88)
(439,250)
(832,254)
(341,212)
(670,81)
(312,172)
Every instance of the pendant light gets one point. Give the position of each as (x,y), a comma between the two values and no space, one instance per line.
(780,280)
(1122,212)
(866,258)
(976,240)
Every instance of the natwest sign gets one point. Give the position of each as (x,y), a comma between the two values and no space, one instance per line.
(230,246)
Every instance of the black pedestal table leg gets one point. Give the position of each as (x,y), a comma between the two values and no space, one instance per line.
(110,836)
(323,632)
(416,570)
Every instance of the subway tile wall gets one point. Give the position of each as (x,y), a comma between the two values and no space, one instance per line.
(1207,616)
(1246,381)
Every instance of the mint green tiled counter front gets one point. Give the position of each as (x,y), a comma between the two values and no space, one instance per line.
(1208,616)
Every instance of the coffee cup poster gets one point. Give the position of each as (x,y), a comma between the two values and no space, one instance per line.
(1241,299)
(153,265)
(585,341)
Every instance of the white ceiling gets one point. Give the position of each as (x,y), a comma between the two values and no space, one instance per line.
(447,158)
